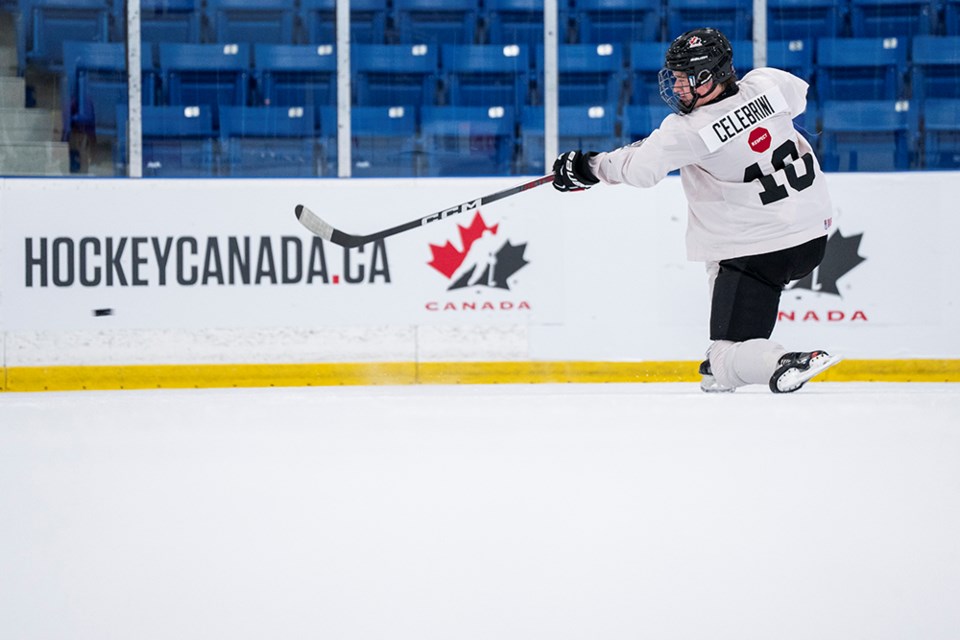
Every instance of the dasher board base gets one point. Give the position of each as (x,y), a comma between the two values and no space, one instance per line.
(173,376)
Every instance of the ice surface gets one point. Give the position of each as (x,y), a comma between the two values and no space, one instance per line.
(482,512)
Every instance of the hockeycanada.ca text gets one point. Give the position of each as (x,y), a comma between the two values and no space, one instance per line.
(140,261)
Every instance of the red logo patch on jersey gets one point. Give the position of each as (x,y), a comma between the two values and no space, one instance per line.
(759,139)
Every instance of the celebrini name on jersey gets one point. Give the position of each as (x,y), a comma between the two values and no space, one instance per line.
(736,121)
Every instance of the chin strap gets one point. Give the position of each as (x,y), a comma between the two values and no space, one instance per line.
(731,90)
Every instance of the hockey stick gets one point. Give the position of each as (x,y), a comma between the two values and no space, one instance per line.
(314,223)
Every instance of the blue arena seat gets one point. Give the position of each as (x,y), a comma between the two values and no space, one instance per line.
(295,75)
(882,18)
(385,142)
(805,19)
(468,141)
(327,153)
(486,74)
(594,128)
(166,21)
(951,17)
(96,83)
(204,74)
(177,141)
(368,21)
(437,21)
(867,135)
(860,68)
(808,123)
(935,67)
(941,136)
(619,21)
(795,56)
(742,56)
(588,74)
(268,141)
(47,24)
(639,121)
(734,18)
(395,74)
(260,21)
(515,22)
(646,60)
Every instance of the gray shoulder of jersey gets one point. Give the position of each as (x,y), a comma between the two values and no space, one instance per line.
(675,122)
(765,75)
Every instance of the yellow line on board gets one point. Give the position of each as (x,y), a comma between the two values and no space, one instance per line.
(176,376)
(402,373)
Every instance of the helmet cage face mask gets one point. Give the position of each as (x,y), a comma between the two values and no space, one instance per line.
(686,101)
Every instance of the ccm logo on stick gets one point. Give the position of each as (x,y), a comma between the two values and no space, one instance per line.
(446,213)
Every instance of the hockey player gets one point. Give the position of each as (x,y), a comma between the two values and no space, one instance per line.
(758,206)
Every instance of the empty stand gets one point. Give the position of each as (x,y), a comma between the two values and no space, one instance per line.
(881,18)
(646,60)
(295,75)
(166,21)
(96,83)
(941,136)
(368,21)
(867,135)
(795,56)
(588,74)
(385,142)
(468,141)
(951,17)
(515,22)
(734,18)
(805,19)
(861,68)
(486,75)
(47,24)
(204,74)
(268,141)
(594,128)
(437,21)
(935,67)
(388,75)
(328,133)
(742,56)
(808,123)
(250,21)
(619,21)
(639,121)
(177,141)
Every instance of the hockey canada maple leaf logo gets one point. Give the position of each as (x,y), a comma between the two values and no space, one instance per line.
(842,255)
(483,260)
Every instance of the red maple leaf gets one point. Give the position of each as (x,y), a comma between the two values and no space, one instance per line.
(447,259)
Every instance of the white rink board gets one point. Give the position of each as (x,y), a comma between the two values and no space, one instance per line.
(600,275)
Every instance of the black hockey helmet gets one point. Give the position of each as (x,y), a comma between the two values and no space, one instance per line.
(703,55)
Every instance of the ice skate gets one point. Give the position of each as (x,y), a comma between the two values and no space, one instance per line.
(797,368)
(708,383)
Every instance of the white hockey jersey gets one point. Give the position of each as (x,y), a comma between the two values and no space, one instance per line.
(753,184)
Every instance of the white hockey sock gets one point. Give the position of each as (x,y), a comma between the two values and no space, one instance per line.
(735,364)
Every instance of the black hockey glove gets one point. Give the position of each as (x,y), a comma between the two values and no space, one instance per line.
(571,171)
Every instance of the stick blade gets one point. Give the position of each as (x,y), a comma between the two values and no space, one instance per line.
(313,222)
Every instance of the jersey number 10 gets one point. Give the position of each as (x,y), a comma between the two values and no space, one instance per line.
(772,191)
